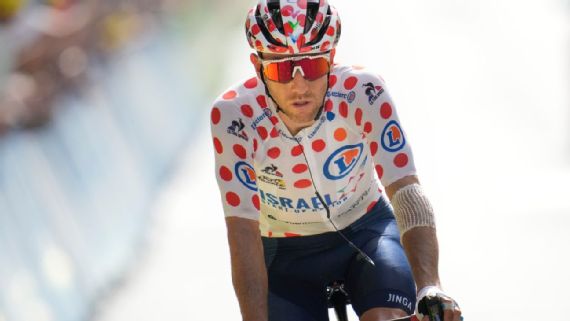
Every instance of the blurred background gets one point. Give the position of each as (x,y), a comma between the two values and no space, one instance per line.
(109,208)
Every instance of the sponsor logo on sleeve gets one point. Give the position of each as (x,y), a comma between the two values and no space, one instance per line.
(246,175)
(372,91)
(342,161)
(236,129)
(392,137)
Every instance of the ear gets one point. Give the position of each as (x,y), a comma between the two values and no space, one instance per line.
(333,53)
(256,64)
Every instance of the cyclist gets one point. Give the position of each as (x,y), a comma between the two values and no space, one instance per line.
(299,151)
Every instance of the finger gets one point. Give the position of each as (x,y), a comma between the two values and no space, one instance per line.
(457,315)
(448,315)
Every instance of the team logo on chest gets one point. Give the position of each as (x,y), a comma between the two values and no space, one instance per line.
(392,137)
(246,175)
(342,161)
(273,177)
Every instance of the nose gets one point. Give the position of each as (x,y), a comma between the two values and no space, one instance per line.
(299,85)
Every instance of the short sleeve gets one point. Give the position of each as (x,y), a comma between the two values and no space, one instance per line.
(233,150)
(385,135)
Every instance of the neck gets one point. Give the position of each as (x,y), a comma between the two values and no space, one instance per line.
(294,127)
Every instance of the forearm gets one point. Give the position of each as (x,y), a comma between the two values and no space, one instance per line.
(422,250)
(249,274)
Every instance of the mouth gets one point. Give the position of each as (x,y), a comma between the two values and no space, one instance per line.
(301,103)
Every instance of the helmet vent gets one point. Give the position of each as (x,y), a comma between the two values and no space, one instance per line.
(264,30)
(275,13)
(311,16)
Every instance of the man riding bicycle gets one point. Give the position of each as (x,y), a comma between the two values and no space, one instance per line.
(300,150)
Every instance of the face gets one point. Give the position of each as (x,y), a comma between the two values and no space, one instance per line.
(300,99)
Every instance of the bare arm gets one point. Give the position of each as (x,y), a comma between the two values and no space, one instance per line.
(249,274)
(420,244)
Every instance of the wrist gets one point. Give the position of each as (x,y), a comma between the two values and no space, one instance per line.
(431,290)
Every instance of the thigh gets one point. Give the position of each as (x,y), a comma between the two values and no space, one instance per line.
(297,304)
(388,284)
(297,286)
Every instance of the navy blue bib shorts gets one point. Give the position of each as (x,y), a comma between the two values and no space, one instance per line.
(299,269)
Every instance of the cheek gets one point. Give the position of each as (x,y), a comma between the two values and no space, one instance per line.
(276,90)
(320,86)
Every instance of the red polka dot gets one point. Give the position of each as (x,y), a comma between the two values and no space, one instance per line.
(343,109)
(255,29)
(255,201)
(261,101)
(226,174)
(255,145)
(302,19)
(288,234)
(386,111)
(302,4)
(299,168)
(350,83)
(373,148)
(401,160)
(330,31)
(262,132)
(287,11)
(319,145)
(274,120)
(328,105)
(218,145)
(230,95)
(368,127)
(247,111)
(332,81)
(251,83)
(358,116)
(216,115)
(232,199)
(240,151)
(297,150)
(274,133)
(369,208)
(302,183)
(274,152)
(379,171)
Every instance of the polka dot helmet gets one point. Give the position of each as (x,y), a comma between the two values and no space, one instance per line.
(292,26)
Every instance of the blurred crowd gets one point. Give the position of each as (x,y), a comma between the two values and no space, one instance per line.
(47,47)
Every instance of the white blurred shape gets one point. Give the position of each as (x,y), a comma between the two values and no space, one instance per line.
(23,293)
(57,267)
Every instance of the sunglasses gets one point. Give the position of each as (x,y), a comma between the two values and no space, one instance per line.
(283,70)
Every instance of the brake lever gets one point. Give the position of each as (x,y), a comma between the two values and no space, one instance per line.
(432,307)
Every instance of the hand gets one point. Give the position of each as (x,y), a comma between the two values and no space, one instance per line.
(451,310)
